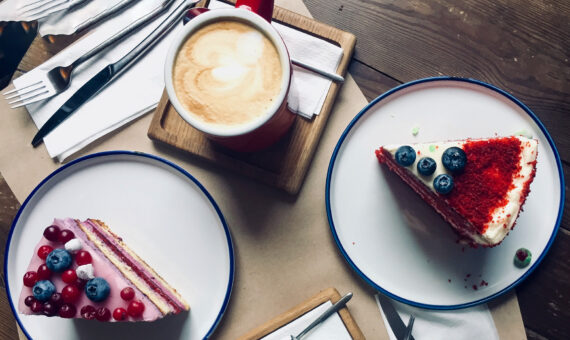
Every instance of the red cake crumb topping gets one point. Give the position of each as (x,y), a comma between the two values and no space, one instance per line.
(483,185)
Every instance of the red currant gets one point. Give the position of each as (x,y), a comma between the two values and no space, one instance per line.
(37,306)
(88,312)
(103,314)
(70,293)
(69,276)
(65,235)
(44,251)
(80,283)
(52,233)
(56,299)
(127,293)
(30,279)
(119,314)
(135,309)
(43,272)
(83,257)
(49,308)
(67,310)
(29,300)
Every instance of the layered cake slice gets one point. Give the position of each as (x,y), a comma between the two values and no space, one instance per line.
(83,270)
(478,185)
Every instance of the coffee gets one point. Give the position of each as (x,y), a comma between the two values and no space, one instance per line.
(227,73)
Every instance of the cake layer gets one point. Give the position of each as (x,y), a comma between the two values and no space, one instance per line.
(488,193)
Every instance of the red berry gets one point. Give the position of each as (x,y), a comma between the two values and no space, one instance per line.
(69,276)
(88,312)
(49,308)
(29,300)
(83,257)
(43,272)
(37,306)
(65,235)
(70,293)
(80,283)
(44,251)
(103,314)
(119,314)
(56,299)
(30,279)
(52,233)
(135,309)
(67,310)
(127,293)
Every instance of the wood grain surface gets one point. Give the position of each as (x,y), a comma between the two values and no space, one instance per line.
(520,46)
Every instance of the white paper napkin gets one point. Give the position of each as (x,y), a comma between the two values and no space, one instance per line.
(468,323)
(16,10)
(331,329)
(138,90)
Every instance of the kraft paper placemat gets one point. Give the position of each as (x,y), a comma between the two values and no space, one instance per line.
(277,237)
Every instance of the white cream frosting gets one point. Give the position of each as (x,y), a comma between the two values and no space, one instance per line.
(503,217)
(73,245)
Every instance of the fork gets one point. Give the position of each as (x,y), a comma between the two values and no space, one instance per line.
(58,78)
(409,327)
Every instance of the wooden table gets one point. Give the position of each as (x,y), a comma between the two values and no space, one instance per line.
(520,46)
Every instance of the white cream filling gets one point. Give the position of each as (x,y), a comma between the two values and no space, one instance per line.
(503,217)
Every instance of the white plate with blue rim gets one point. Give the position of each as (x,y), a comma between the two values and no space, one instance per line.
(161,211)
(395,241)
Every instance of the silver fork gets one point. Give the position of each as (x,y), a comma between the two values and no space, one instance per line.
(409,327)
(58,78)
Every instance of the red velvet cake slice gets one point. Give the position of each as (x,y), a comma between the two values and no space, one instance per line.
(478,185)
(83,270)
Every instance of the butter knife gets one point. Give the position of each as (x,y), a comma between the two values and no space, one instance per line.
(396,324)
(110,72)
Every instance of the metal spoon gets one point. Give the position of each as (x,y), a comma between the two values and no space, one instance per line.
(331,310)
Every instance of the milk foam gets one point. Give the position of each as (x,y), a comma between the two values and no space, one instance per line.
(227,73)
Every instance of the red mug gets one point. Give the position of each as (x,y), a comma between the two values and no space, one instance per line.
(251,134)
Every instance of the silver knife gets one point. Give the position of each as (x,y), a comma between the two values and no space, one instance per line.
(110,72)
(396,324)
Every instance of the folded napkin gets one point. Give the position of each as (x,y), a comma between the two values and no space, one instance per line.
(331,329)
(468,323)
(137,91)
(17,10)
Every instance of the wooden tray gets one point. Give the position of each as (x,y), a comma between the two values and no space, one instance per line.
(284,164)
(299,310)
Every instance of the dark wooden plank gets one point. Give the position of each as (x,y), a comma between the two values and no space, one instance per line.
(520,46)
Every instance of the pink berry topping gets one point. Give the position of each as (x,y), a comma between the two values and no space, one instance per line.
(69,276)
(43,272)
(70,293)
(67,310)
(88,312)
(103,314)
(29,300)
(83,257)
(30,279)
(135,309)
(119,314)
(65,235)
(44,251)
(127,293)
(52,233)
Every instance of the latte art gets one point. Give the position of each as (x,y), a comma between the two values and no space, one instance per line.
(227,73)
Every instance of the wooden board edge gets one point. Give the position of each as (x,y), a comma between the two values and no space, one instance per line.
(283,319)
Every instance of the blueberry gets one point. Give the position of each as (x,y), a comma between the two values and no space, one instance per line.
(454,159)
(405,155)
(97,289)
(43,290)
(58,260)
(426,166)
(443,184)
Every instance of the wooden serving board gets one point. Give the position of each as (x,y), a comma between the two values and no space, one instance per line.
(284,164)
(301,309)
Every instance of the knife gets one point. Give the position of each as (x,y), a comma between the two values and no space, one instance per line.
(110,72)
(398,326)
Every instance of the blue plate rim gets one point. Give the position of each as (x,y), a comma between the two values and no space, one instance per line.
(393,91)
(136,154)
